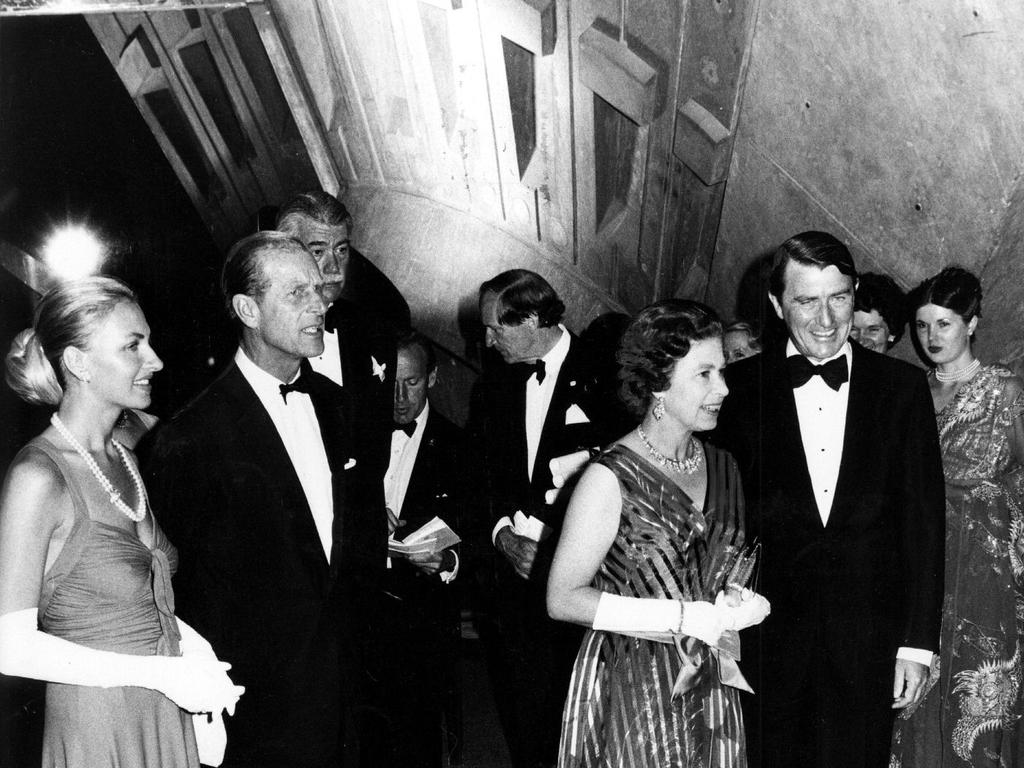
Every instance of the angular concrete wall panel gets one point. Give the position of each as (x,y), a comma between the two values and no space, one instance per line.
(895,126)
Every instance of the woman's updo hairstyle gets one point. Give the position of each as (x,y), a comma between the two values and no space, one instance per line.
(652,344)
(954,288)
(64,317)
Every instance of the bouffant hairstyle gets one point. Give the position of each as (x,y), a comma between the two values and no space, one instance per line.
(879,293)
(522,293)
(954,288)
(318,206)
(819,249)
(657,338)
(243,271)
(65,317)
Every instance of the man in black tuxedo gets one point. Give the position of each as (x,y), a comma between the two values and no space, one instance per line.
(417,623)
(277,515)
(543,403)
(365,312)
(843,481)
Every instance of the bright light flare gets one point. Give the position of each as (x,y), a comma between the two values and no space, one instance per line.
(73,251)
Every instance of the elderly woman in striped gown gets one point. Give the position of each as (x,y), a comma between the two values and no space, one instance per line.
(652,535)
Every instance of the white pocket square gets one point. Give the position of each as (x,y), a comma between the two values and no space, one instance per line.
(349,464)
(575,415)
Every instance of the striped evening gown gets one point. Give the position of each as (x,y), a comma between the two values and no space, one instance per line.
(620,709)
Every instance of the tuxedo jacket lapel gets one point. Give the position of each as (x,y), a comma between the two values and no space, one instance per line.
(339,321)
(266,449)
(332,406)
(860,411)
(569,379)
(783,429)
(420,482)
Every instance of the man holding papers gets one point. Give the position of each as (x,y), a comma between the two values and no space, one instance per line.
(418,628)
(544,401)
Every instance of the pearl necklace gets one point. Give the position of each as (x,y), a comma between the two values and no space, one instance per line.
(136,514)
(687,466)
(963,373)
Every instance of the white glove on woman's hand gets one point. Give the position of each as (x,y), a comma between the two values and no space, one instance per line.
(194,683)
(751,610)
(705,621)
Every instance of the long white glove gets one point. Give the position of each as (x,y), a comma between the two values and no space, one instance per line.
(707,621)
(196,683)
(701,619)
(211,736)
(616,613)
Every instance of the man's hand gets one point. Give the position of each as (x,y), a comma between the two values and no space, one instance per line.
(429,564)
(910,683)
(393,522)
(518,550)
(565,471)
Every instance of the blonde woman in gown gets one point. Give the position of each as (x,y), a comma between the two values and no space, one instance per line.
(85,571)
(971,713)
(638,562)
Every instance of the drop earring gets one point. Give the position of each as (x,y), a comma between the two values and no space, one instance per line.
(659,408)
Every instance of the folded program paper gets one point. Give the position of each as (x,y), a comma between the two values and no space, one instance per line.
(433,536)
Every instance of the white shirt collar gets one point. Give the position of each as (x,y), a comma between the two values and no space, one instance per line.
(266,385)
(557,354)
(846,349)
(421,420)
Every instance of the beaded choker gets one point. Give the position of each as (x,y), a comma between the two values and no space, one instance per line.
(136,514)
(687,466)
(964,373)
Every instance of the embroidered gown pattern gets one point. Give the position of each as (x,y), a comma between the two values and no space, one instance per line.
(971,713)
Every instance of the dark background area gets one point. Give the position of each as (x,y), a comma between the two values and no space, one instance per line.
(74,149)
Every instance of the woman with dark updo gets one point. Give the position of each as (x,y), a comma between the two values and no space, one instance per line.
(971,713)
(644,560)
(85,571)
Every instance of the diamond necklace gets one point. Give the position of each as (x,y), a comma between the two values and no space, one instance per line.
(687,466)
(964,373)
(136,514)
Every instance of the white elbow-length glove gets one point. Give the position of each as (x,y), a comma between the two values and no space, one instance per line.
(196,683)
(699,618)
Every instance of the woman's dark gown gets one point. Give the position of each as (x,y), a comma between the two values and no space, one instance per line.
(971,713)
(107,590)
(621,710)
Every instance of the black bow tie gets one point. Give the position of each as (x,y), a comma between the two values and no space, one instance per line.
(407,428)
(534,368)
(301,384)
(834,372)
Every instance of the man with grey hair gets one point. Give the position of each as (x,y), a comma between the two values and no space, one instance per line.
(277,514)
(364,313)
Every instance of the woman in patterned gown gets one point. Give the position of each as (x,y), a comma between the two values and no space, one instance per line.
(85,571)
(971,712)
(650,534)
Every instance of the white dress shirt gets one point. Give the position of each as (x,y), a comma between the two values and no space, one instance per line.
(329,363)
(296,423)
(404,450)
(821,412)
(538,396)
(538,400)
